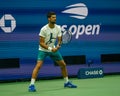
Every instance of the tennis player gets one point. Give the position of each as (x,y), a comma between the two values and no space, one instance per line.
(48,36)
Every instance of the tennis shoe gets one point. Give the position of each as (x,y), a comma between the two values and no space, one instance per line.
(69,85)
(32,88)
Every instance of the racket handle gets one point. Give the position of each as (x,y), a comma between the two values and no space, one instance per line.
(50,48)
(59,44)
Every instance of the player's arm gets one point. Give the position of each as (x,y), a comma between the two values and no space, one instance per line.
(59,36)
(42,44)
(59,41)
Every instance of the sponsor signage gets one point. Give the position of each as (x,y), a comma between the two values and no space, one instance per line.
(90,73)
(95,31)
(3,22)
(79,11)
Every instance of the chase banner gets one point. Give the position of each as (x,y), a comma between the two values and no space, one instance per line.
(84,73)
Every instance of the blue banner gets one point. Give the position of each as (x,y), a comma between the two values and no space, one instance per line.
(94,25)
(85,73)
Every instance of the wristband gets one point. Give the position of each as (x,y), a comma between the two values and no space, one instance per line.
(50,48)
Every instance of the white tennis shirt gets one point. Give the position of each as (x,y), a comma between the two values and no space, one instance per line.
(50,35)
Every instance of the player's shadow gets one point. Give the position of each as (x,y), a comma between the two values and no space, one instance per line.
(52,89)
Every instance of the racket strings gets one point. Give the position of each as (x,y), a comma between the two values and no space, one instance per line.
(66,37)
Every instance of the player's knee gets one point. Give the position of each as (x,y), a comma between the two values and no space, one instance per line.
(63,66)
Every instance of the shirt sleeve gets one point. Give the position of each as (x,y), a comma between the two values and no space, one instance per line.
(59,31)
(42,33)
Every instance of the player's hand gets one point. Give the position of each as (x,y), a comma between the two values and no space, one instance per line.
(58,46)
(55,49)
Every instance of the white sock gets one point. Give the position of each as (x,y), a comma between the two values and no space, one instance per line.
(32,81)
(66,79)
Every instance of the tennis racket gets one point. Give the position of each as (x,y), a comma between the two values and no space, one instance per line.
(66,36)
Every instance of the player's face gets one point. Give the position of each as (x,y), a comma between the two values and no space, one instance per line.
(52,19)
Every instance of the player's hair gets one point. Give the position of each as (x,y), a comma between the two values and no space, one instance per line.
(49,14)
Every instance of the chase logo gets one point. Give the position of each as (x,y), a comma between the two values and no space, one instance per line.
(7,23)
(79,11)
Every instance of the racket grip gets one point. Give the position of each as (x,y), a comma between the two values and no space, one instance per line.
(50,48)
(59,45)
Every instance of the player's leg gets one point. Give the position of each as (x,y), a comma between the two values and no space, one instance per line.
(56,56)
(34,76)
(64,72)
(67,83)
(41,57)
(36,70)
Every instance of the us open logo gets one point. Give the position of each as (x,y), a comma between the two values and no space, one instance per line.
(12,23)
(79,11)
